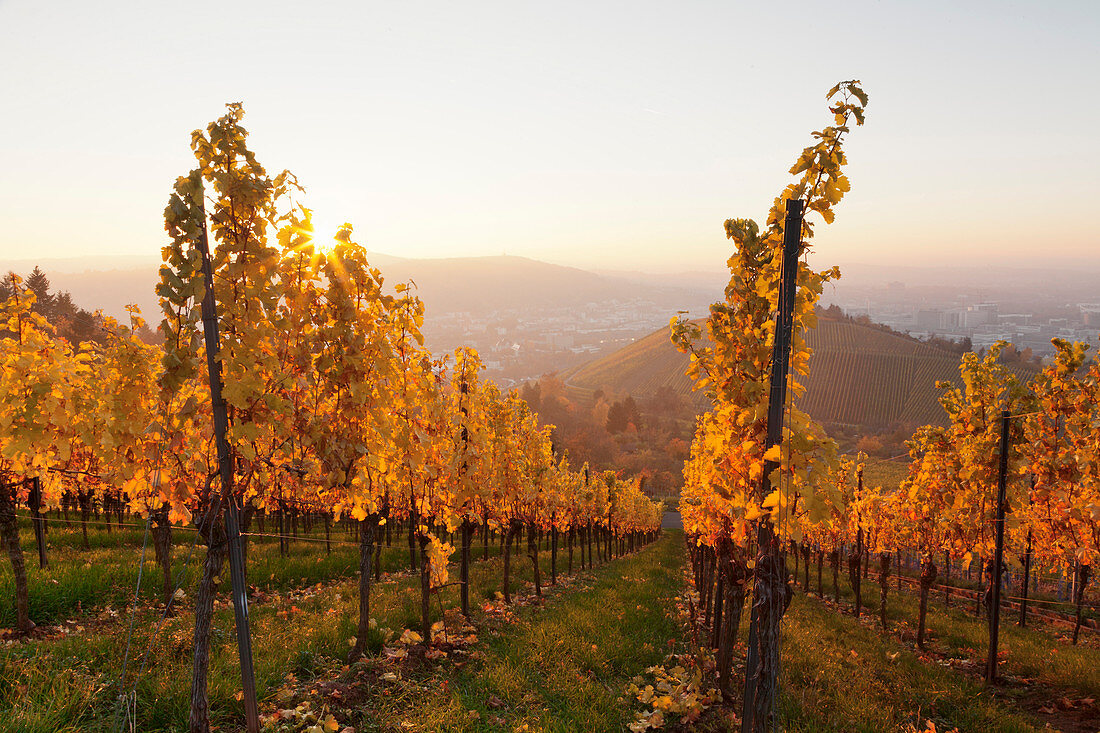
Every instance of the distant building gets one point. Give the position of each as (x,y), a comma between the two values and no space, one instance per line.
(1090,314)
(929,319)
(953,319)
(561,340)
(988,338)
(980,315)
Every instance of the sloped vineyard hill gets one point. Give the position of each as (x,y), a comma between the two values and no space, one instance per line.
(859,375)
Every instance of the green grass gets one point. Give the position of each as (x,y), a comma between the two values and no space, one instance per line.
(80,580)
(563,667)
(69,683)
(1038,652)
(836,676)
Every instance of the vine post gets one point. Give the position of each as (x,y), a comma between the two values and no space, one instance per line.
(1026,578)
(464,573)
(39,522)
(225,468)
(998,555)
(553,548)
(762,665)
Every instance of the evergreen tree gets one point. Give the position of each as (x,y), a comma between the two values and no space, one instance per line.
(39,284)
(8,286)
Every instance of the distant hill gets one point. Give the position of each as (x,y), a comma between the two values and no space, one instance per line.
(482,284)
(859,375)
(478,285)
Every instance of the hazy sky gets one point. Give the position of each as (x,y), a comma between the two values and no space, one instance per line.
(613,135)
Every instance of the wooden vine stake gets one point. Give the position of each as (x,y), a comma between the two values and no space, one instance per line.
(769,588)
(998,556)
(39,522)
(225,467)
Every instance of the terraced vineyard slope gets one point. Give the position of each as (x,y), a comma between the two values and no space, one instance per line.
(859,375)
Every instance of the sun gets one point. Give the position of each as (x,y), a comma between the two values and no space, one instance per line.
(325,227)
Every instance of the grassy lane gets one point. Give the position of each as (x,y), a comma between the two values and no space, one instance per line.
(69,683)
(839,675)
(1039,653)
(561,667)
(81,580)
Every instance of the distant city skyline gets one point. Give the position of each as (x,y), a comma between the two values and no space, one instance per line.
(575,133)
